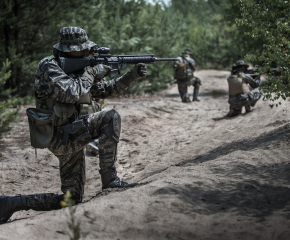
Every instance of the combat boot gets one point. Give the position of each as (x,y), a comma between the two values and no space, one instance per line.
(10,205)
(111,180)
(233,112)
(195,93)
(186,98)
(230,113)
(248,108)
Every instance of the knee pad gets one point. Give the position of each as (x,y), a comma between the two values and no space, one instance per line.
(197,81)
(112,125)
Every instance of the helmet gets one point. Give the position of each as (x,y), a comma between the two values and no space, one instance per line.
(240,63)
(187,51)
(73,39)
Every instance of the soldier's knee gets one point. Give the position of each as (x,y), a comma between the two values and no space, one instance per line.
(197,81)
(111,125)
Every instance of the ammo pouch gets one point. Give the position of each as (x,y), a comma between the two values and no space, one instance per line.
(63,112)
(40,126)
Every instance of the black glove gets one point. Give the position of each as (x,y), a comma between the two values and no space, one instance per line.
(136,72)
(140,69)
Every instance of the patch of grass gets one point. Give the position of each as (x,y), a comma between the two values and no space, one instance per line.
(73,226)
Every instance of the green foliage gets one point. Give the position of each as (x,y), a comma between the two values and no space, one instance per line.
(30,29)
(270,20)
(73,226)
(6,114)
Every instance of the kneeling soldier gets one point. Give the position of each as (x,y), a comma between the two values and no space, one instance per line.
(243,89)
(77,121)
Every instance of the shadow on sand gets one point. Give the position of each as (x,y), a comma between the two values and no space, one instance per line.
(253,191)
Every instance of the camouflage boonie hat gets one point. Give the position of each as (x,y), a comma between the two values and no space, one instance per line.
(187,51)
(240,63)
(73,39)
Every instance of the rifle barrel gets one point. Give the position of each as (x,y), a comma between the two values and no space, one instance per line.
(166,59)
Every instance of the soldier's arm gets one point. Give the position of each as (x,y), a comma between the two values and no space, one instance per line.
(178,63)
(50,80)
(192,64)
(118,86)
(254,83)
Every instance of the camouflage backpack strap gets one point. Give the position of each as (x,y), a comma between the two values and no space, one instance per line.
(188,62)
(50,58)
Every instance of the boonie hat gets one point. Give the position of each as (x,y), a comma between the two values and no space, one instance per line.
(240,63)
(187,51)
(73,39)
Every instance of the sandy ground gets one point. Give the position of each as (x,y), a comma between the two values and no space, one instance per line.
(202,176)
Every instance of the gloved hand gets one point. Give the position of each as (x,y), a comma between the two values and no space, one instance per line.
(96,72)
(140,69)
(240,74)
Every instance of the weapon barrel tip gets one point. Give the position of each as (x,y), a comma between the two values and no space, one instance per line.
(166,59)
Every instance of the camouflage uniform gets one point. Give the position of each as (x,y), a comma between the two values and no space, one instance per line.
(78,90)
(243,90)
(189,78)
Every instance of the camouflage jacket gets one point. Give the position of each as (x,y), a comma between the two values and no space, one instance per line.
(253,82)
(52,83)
(190,63)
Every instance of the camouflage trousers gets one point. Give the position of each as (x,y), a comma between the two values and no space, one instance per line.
(72,163)
(237,102)
(183,84)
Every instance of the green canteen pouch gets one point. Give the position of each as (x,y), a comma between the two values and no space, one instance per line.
(40,126)
(63,111)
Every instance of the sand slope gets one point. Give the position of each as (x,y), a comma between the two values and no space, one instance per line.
(202,176)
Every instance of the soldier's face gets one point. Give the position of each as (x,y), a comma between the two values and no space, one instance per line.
(76,54)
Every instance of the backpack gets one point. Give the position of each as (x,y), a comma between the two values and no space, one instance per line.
(183,72)
(180,72)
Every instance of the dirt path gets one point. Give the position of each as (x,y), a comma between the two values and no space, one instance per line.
(203,176)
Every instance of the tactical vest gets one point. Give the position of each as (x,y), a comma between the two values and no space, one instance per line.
(64,111)
(50,113)
(237,86)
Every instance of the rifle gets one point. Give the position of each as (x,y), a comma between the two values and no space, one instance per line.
(69,65)
(255,72)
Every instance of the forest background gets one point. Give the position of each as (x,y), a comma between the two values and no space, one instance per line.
(30,28)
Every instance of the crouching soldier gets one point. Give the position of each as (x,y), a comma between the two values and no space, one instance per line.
(243,89)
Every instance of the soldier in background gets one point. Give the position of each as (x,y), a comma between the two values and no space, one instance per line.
(73,99)
(243,89)
(183,73)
